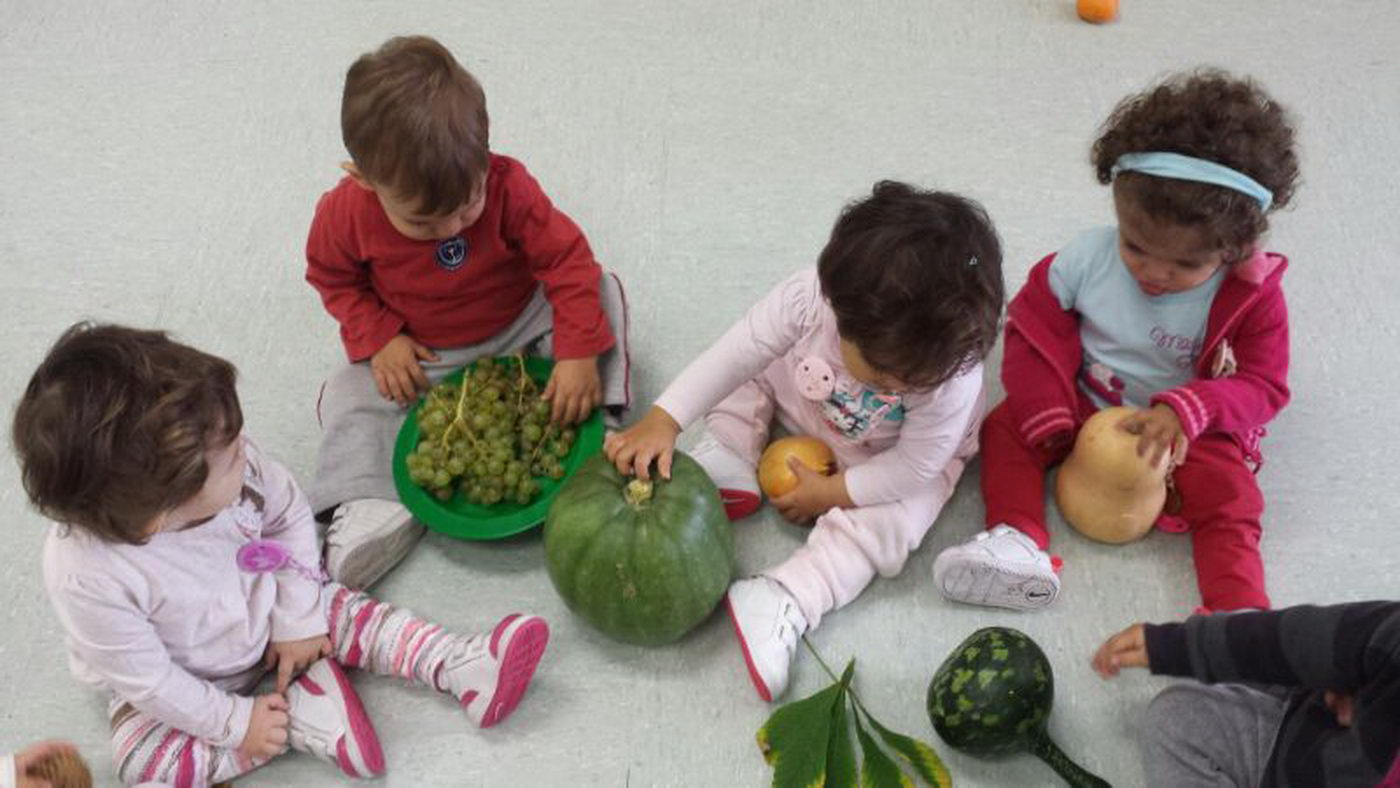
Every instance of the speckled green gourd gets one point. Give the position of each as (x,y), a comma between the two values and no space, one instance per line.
(992,697)
(644,562)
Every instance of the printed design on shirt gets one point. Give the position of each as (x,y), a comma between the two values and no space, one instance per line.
(1103,381)
(1185,349)
(248,512)
(854,415)
(452,253)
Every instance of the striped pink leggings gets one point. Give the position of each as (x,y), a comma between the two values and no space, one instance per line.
(364,632)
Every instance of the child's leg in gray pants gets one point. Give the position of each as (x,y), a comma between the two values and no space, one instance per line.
(1209,735)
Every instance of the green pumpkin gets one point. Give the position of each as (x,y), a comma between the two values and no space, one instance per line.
(644,562)
(992,697)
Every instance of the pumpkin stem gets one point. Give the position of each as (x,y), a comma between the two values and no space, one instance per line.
(637,492)
(1043,748)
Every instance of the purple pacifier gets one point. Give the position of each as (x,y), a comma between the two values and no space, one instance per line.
(266,555)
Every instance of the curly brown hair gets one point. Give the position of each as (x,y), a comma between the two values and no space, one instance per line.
(914,278)
(1208,114)
(113,428)
(415,121)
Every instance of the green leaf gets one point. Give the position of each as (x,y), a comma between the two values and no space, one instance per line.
(916,753)
(795,739)
(841,754)
(876,769)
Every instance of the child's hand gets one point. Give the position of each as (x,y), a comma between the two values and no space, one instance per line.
(397,372)
(36,754)
(267,728)
(1159,432)
(1127,649)
(1341,706)
(814,495)
(652,438)
(293,656)
(574,389)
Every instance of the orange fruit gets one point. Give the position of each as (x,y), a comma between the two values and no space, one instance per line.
(1098,11)
(774,475)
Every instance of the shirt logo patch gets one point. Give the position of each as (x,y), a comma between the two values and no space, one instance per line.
(452,253)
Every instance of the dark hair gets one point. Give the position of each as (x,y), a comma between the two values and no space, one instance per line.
(112,429)
(1207,114)
(914,278)
(415,121)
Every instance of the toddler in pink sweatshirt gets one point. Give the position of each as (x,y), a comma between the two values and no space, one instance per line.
(878,352)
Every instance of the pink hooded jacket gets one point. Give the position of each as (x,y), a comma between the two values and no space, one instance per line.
(1241,378)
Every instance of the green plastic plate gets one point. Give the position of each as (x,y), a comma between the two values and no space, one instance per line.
(458,517)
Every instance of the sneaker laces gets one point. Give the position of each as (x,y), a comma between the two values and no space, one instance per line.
(468,650)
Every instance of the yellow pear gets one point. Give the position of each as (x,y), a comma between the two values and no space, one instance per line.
(1105,490)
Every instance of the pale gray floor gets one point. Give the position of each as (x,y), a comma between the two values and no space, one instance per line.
(159,164)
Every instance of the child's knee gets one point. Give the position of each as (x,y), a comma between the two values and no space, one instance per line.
(1169,717)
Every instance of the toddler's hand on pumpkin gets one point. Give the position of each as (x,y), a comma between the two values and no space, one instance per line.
(1159,432)
(574,389)
(652,438)
(1127,649)
(815,494)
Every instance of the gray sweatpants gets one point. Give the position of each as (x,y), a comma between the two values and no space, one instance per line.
(1210,735)
(358,426)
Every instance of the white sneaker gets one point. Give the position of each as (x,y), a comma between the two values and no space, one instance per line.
(490,672)
(366,538)
(1000,568)
(768,623)
(736,479)
(329,722)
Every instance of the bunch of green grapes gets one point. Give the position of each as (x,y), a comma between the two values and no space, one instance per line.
(489,437)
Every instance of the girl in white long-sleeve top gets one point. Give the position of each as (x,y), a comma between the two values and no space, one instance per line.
(184,564)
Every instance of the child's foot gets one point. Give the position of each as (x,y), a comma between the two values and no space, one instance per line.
(1001,568)
(329,722)
(768,622)
(488,674)
(737,480)
(366,538)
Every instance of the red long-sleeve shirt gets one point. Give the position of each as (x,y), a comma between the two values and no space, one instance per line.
(377,283)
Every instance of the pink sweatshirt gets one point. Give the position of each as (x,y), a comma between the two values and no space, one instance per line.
(891,446)
(170,626)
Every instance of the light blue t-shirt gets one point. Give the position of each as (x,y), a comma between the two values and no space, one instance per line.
(1135,345)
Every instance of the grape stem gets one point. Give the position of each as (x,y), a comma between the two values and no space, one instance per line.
(459,421)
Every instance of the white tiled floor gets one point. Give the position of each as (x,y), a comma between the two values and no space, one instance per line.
(159,164)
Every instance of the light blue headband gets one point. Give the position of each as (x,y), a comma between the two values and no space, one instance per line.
(1188,168)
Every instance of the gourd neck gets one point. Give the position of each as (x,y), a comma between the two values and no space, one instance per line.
(637,492)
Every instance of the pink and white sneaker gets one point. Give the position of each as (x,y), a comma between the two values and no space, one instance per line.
(736,479)
(329,722)
(768,622)
(489,672)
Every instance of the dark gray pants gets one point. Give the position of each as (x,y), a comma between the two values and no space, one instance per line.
(1210,735)
(358,427)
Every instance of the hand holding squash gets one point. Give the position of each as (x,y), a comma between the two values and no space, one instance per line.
(1159,432)
(814,494)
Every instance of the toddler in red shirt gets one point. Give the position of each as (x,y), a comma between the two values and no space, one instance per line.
(432,252)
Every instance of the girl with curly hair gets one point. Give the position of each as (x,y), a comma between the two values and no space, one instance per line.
(1178,312)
